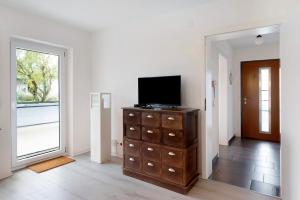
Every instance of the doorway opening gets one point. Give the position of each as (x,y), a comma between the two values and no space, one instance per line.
(243,109)
(37,102)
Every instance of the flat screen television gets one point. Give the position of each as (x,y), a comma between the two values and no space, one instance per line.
(165,90)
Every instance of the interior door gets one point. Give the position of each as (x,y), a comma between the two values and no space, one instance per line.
(260,100)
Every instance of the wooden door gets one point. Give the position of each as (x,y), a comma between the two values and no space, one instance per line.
(260,100)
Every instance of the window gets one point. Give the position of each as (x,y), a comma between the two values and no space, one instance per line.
(265,100)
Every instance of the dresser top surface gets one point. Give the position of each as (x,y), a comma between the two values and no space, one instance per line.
(175,110)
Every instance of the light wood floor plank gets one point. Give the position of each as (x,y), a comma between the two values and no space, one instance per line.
(84,180)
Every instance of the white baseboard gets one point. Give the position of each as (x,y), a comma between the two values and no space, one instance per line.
(80,153)
(117,155)
(87,151)
(5,175)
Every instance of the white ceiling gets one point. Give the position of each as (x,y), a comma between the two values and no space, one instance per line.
(96,14)
(246,38)
(248,41)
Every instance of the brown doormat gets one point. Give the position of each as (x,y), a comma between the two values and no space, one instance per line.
(50,164)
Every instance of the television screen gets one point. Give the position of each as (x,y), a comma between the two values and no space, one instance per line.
(160,90)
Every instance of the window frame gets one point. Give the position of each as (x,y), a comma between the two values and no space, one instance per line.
(19,43)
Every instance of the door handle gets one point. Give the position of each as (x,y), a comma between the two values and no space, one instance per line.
(245,101)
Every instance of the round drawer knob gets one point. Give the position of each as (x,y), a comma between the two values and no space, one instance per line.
(172,134)
(150,149)
(149,116)
(171,118)
(132,128)
(150,164)
(171,153)
(131,115)
(150,131)
(172,170)
(131,145)
(131,159)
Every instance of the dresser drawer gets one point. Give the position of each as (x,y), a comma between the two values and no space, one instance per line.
(150,134)
(172,121)
(173,138)
(132,147)
(131,117)
(152,168)
(150,119)
(133,131)
(172,157)
(151,151)
(132,162)
(172,174)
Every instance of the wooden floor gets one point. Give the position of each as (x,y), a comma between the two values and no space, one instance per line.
(251,164)
(83,180)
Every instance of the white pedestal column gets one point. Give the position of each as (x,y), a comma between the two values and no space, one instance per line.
(100,127)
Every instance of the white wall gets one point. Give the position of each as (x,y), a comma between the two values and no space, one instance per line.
(290,43)
(225,49)
(223,100)
(13,23)
(214,106)
(264,52)
(171,44)
(212,102)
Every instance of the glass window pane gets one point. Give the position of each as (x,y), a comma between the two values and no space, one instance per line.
(37,95)
(264,106)
(264,85)
(265,74)
(265,78)
(265,125)
(265,99)
(265,95)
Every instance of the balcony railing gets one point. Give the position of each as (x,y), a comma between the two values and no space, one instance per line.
(37,114)
(37,128)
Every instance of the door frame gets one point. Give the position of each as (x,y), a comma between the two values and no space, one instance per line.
(241,100)
(43,48)
(205,138)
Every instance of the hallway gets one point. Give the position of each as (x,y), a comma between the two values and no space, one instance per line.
(250,164)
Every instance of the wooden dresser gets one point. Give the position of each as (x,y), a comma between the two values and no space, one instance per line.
(161,146)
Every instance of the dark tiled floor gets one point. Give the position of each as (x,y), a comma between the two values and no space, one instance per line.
(250,164)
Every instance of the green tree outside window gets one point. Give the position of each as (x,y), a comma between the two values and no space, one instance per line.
(37,72)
